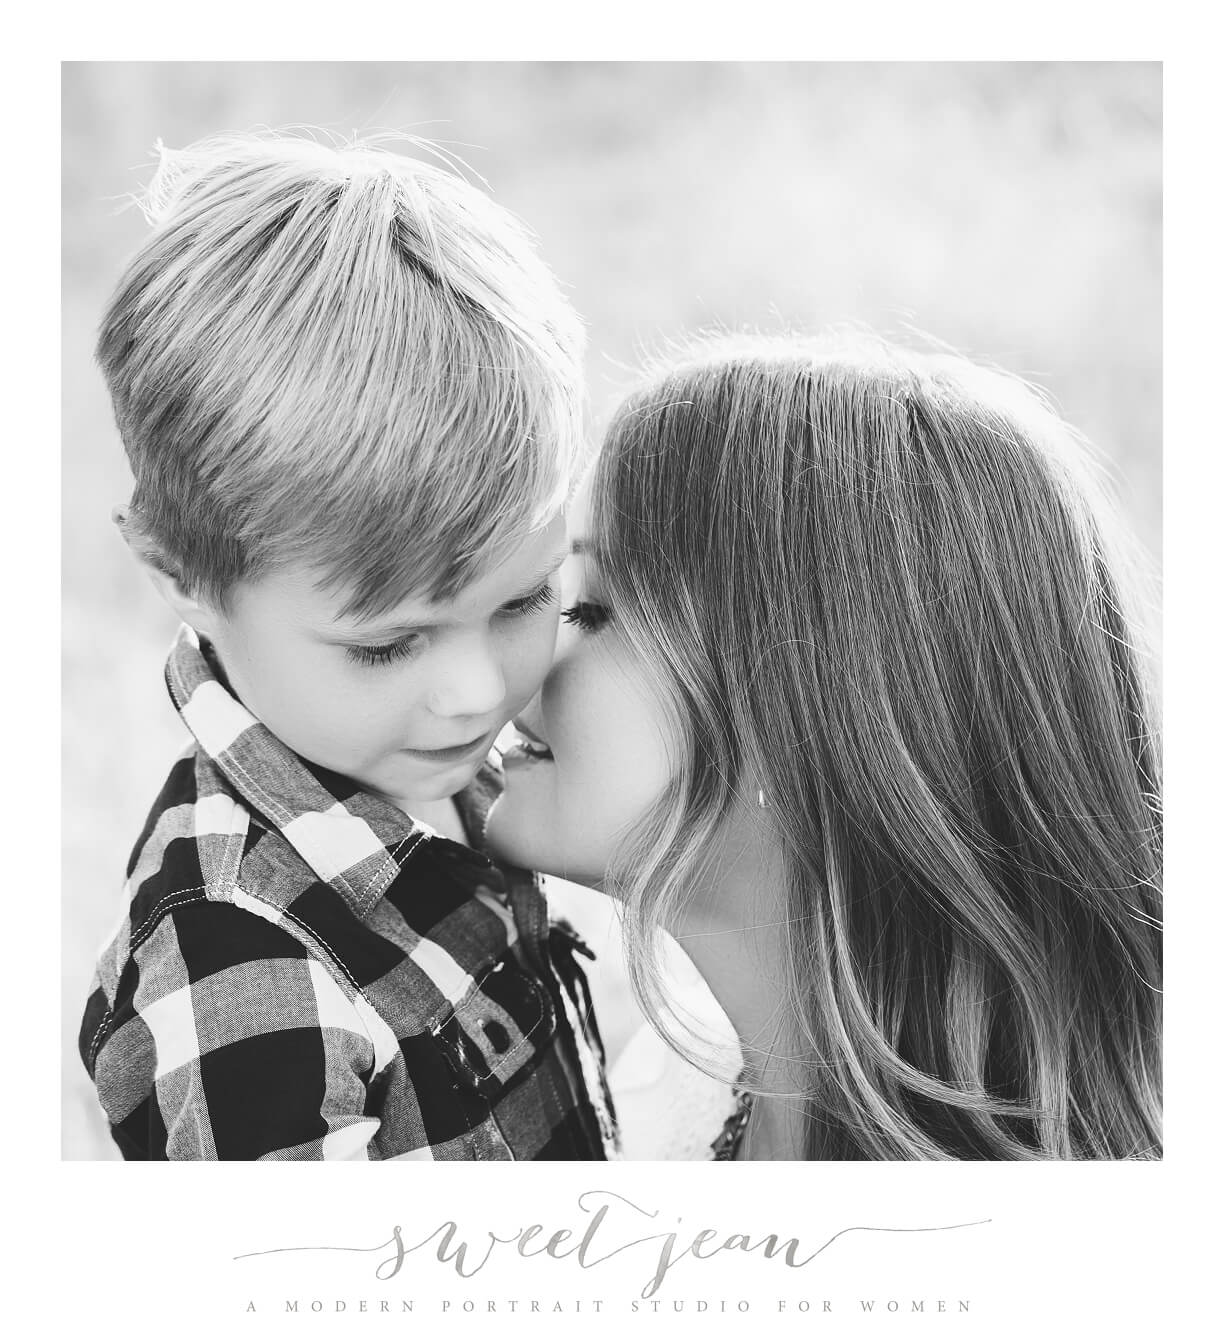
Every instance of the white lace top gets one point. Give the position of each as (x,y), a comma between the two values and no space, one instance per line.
(666,1109)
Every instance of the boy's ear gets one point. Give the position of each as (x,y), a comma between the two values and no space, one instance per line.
(189,608)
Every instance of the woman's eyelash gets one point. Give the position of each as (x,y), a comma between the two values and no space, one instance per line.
(531,603)
(586,615)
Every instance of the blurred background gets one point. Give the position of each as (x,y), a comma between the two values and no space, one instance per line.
(1013,210)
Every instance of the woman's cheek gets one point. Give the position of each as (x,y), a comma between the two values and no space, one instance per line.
(530,655)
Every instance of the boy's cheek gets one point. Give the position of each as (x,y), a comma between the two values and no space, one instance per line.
(314,714)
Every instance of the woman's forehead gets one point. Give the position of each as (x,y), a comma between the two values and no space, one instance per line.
(579,510)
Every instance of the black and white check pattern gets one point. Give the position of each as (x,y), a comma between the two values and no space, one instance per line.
(301,972)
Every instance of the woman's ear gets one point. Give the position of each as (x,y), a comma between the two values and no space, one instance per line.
(189,608)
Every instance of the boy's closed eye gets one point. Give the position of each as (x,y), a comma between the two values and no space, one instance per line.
(413,641)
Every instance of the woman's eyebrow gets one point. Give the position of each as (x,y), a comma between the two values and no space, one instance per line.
(585,546)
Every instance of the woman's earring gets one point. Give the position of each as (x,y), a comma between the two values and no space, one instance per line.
(761,802)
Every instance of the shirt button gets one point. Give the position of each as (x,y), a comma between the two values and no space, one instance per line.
(499,1039)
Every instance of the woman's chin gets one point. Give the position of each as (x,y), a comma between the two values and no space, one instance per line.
(520,837)
(535,823)
(515,838)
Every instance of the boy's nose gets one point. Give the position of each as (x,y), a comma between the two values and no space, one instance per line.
(471,683)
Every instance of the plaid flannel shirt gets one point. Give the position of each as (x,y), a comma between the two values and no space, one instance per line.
(302,972)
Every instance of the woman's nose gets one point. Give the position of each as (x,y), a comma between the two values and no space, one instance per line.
(530,721)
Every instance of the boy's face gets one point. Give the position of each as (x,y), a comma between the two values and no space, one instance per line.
(407,704)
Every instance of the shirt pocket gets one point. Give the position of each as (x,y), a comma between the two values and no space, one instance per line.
(494,1038)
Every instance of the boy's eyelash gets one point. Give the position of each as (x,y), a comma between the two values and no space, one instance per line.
(373,655)
(586,615)
(407,646)
(531,603)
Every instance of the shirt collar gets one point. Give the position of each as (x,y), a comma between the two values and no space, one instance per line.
(352,839)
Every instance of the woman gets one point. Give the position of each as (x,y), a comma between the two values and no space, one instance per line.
(854,706)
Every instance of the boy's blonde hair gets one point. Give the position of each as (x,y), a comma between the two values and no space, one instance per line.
(337,355)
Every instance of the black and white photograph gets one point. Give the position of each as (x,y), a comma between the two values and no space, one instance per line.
(612,612)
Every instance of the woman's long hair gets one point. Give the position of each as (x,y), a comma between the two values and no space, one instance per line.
(884,587)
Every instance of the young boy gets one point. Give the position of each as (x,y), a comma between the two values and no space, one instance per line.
(350,396)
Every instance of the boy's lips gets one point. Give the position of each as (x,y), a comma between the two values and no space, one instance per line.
(460,752)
